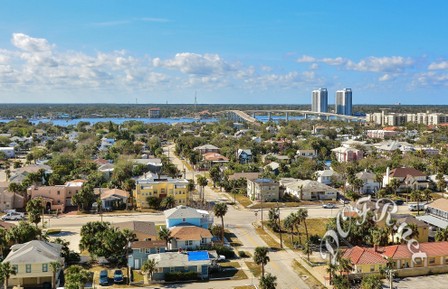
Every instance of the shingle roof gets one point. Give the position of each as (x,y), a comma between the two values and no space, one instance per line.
(214,157)
(441,204)
(6,225)
(34,252)
(404,172)
(142,227)
(147,244)
(190,233)
(359,255)
(116,192)
(249,176)
(181,212)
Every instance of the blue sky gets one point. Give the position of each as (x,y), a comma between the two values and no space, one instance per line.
(225,51)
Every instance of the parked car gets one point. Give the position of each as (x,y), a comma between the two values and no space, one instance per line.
(399,202)
(221,258)
(344,201)
(414,207)
(13,216)
(328,206)
(118,276)
(104,279)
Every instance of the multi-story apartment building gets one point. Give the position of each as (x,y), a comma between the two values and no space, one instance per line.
(56,197)
(399,119)
(343,101)
(161,188)
(263,190)
(319,101)
(154,112)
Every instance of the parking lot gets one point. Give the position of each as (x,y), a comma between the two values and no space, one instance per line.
(431,282)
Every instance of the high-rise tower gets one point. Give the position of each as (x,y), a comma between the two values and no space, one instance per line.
(343,101)
(319,100)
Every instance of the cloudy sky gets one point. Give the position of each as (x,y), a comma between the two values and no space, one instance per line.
(224,51)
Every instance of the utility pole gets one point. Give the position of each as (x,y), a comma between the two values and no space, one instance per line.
(261,196)
(280,226)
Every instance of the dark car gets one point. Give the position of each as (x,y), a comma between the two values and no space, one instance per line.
(399,202)
(104,279)
(118,276)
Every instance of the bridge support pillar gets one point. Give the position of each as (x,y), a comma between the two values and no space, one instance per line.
(286,116)
(269,116)
(306,116)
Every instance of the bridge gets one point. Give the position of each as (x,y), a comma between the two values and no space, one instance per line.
(249,115)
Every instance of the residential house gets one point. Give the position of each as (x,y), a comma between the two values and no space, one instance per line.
(436,213)
(170,262)
(273,167)
(106,143)
(189,237)
(245,176)
(31,262)
(114,199)
(10,200)
(207,148)
(244,156)
(381,133)
(263,190)
(56,197)
(370,184)
(422,228)
(409,178)
(211,159)
(107,170)
(6,226)
(311,154)
(365,260)
(344,154)
(142,249)
(18,175)
(435,181)
(160,188)
(183,215)
(327,177)
(8,151)
(154,165)
(310,190)
(143,230)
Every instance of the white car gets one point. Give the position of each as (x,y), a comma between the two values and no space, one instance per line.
(328,206)
(13,216)
(221,258)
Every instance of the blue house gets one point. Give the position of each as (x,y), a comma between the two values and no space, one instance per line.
(187,216)
(142,249)
(244,156)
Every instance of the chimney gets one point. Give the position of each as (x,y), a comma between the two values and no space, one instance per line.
(375,247)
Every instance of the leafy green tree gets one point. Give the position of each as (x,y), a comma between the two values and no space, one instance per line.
(416,196)
(371,282)
(268,282)
(168,202)
(76,277)
(153,202)
(220,210)
(6,270)
(215,175)
(92,237)
(22,233)
(441,235)
(35,209)
(261,257)
(54,267)
(148,268)
(85,197)
(165,235)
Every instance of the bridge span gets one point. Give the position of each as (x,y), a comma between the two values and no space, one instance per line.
(249,115)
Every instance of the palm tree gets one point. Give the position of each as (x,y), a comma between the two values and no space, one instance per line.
(169,202)
(427,194)
(331,269)
(76,276)
(344,266)
(302,214)
(395,184)
(414,231)
(202,182)
(148,267)
(220,211)
(289,224)
(54,266)
(268,281)
(261,257)
(441,235)
(6,270)
(307,249)
(165,235)
(416,196)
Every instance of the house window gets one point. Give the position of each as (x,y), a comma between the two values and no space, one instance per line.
(432,261)
(183,219)
(446,260)
(15,268)
(44,267)
(372,268)
(59,192)
(28,268)
(189,243)
(203,240)
(172,269)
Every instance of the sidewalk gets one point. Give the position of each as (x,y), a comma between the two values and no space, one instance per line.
(317,272)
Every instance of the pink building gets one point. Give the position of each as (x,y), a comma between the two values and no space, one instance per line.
(344,154)
(56,197)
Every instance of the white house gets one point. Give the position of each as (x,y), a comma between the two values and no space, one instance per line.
(189,237)
(310,190)
(370,183)
(307,153)
(8,151)
(326,176)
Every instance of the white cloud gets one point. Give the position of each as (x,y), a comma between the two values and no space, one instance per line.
(154,19)
(192,63)
(381,64)
(306,59)
(334,61)
(432,79)
(438,66)
(30,44)
(386,77)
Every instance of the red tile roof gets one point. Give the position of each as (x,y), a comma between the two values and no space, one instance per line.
(432,249)
(359,255)
(404,172)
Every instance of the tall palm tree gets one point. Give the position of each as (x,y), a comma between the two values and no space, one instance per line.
(427,194)
(54,266)
(289,224)
(441,235)
(202,182)
(220,211)
(6,270)
(261,257)
(307,249)
(268,282)
(169,202)
(344,266)
(331,269)
(148,268)
(395,185)
(302,214)
(416,196)
(165,235)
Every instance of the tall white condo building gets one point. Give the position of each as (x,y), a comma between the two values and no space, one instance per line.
(343,101)
(319,101)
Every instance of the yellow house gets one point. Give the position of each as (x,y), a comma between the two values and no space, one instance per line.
(161,188)
(31,262)
(422,228)
(364,260)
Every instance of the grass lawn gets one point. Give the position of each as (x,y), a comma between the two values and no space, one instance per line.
(315,227)
(230,270)
(310,280)
(231,237)
(243,200)
(267,238)
(254,268)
